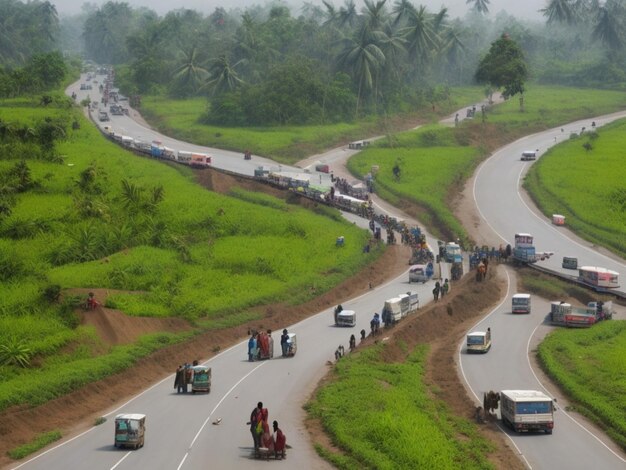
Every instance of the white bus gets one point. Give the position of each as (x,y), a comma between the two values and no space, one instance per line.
(598,277)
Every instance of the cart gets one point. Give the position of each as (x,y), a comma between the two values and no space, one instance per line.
(130,430)
(201,379)
(292,345)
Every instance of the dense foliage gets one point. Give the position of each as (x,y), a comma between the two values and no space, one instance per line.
(504,67)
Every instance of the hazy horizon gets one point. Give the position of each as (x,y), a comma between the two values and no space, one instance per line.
(457,8)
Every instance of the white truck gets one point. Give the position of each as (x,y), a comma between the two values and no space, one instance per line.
(479,341)
(345,318)
(527,410)
(396,308)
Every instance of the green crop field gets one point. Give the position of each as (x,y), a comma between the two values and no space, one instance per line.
(588,365)
(194,254)
(288,144)
(383,416)
(587,185)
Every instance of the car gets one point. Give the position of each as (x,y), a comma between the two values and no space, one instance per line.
(103,116)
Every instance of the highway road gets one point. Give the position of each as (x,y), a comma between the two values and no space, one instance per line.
(506,210)
(180,433)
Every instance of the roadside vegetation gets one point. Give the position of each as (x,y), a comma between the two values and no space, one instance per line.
(382,415)
(78,212)
(583,179)
(39,443)
(588,365)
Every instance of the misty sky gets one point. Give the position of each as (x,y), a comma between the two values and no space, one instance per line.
(523,9)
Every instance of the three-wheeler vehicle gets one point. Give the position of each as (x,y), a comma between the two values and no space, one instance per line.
(130,430)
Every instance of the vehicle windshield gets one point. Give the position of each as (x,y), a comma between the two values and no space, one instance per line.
(517,301)
(475,339)
(529,408)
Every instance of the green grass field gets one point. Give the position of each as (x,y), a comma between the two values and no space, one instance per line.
(381,415)
(198,255)
(588,365)
(287,144)
(586,185)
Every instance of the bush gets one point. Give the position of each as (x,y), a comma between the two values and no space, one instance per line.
(39,443)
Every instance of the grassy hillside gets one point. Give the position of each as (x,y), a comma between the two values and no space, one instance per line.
(595,380)
(101,217)
(584,179)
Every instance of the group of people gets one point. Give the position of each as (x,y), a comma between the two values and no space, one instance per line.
(183,377)
(441,290)
(273,442)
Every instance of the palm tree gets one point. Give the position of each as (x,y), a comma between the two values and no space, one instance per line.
(480,6)
(347,14)
(223,75)
(559,11)
(190,75)
(608,25)
(402,10)
(375,14)
(420,36)
(49,21)
(364,58)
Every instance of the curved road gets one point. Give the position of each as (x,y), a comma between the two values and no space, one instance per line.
(506,209)
(180,433)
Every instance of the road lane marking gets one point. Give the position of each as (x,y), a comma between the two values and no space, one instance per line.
(213,411)
(120,461)
(460,362)
(563,409)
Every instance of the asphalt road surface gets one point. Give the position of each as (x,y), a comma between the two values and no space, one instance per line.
(180,431)
(506,209)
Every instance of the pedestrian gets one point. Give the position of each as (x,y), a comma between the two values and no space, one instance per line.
(186,377)
(436,290)
(179,380)
(252,347)
(445,288)
(255,419)
(352,342)
(280,441)
(363,333)
(284,342)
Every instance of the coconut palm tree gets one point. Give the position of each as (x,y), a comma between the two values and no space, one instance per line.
(364,58)
(559,11)
(609,27)
(402,9)
(421,37)
(190,73)
(480,6)
(223,75)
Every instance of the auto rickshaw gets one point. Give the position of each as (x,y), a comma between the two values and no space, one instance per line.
(292,345)
(201,379)
(130,430)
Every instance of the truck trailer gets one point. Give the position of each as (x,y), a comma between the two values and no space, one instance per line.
(527,410)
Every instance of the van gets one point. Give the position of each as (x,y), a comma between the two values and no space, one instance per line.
(569,262)
(419,273)
(103,116)
(529,155)
(520,303)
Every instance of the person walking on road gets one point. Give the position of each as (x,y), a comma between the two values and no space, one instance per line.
(255,419)
(284,342)
(436,290)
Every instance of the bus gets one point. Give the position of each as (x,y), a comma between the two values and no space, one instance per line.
(598,277)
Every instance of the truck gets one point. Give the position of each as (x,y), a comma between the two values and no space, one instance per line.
(564,314)
(520,303)
(396,308)
(453,253)
(527,410)
(524,250)
(345,318)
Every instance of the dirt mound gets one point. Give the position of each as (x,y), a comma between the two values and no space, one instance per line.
(442,325)
(78,410)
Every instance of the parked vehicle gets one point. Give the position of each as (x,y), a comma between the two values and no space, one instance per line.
(569,262)
(345,318)
(562,313)
(453,253)
(558,219)
(524,250)
(322,168)
(601,278)
(527,410)
(529,155)
(130,430)
(479,341)
(201,379)
(520,303)
(396,308)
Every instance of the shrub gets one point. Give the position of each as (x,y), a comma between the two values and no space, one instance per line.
(39,443)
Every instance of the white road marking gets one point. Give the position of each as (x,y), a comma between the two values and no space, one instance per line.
(213,411)
(120,461)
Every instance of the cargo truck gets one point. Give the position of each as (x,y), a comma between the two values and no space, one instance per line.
(527,410)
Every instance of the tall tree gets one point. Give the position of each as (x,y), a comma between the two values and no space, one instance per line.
(559,11)
(480,6)
(504,67)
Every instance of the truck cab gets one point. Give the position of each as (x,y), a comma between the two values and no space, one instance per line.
(520,303)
